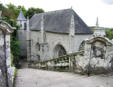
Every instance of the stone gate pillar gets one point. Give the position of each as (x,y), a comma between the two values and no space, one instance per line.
(5,61)
(97,51)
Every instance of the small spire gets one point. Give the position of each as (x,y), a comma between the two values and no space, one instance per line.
(97,23)
(71,7)
(21,15)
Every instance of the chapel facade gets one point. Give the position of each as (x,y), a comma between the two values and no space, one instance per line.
(51,34)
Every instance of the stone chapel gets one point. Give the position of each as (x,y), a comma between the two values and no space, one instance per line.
(51,34)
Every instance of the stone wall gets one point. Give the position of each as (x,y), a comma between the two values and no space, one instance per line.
(35,40)
(21,33)
(95,56)
(6,71)
(78,39)
(3,74)
(69,43)
(63,63)
(10,69)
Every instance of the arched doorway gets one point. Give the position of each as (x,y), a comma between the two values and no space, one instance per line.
(59,50)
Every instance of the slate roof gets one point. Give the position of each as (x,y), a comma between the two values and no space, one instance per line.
(21,16)
(59,22)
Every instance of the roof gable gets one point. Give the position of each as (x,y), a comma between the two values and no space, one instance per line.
(80,26)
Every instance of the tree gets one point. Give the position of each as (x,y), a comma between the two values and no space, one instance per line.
(32,11)
(10,14)
(109,34)
(15,50)
(15,10)
(23,9)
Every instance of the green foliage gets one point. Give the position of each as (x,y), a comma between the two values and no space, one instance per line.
(12,58)
(14,45)
(23,10)
(14,10)
(32,11)
(14,79)
(15,50)
(109,34)
(10,13)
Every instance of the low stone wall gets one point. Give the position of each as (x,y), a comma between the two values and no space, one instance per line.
(98,56)
(64,63)
(95,56)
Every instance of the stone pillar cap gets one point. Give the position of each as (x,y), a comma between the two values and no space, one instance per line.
(5,27)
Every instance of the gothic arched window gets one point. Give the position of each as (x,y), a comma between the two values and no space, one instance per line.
(59,51)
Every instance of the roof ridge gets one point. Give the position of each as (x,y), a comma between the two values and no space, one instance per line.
(54,11)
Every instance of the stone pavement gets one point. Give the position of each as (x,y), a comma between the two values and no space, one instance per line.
(40,78)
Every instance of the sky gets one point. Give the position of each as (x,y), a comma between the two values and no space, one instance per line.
(88,10)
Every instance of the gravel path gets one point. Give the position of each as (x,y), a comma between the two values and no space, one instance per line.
(40,78)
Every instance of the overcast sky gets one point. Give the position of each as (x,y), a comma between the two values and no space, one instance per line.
(88,10)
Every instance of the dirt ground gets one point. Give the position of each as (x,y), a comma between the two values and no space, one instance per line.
(40,78)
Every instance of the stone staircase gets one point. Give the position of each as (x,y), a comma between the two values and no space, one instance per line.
(63,63)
